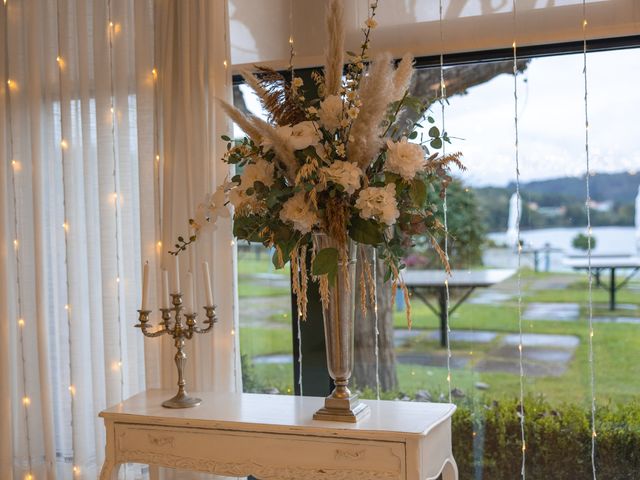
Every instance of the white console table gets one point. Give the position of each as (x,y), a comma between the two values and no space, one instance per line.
(273,437)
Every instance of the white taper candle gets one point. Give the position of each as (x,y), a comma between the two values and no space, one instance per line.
(188,294)
(145,286)
(207,284)
(176,275)
(166,302)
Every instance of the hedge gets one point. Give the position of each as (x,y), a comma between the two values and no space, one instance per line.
(558,441)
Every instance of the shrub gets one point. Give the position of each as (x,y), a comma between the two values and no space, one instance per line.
(486,441)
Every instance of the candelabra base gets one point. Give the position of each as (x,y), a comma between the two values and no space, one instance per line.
(182,400)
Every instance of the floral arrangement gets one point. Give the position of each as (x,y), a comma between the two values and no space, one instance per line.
(341,164)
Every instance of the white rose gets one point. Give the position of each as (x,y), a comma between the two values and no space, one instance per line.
(404,158)
(303,134)
(298,211)
(346,174)
(260,171)
(330,113)
(379,203)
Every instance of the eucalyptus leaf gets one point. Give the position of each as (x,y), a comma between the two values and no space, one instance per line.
(436,143)
(434,132)
(367,232)
(326,263)
(418,192)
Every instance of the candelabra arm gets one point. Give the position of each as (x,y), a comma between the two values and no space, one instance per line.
(210,313)
(144,324)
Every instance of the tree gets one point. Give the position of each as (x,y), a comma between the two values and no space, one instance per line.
(581,242)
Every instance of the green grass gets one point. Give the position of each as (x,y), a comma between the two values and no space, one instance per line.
(263,341)
(616,346)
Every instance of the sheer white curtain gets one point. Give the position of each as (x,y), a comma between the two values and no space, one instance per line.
(80,209)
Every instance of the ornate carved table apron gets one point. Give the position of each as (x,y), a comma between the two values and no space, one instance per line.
(273,437)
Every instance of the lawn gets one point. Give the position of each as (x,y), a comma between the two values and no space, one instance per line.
(616,346)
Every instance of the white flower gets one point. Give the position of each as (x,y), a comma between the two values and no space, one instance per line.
(330,112)
(404,158)
(260,171)
(371,23)
(346,174)
(298,211)
(303,134)
(239,198)
(209,210)
(379,203)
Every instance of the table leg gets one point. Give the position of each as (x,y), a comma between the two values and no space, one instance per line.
(612,290)
(450,470)
(442,300)
(109,470)
(154,472)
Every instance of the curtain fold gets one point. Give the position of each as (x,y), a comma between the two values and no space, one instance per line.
(109,137)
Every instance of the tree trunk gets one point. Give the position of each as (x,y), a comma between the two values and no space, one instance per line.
(364,372)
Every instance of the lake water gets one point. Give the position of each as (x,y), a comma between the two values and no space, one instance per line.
(609,241)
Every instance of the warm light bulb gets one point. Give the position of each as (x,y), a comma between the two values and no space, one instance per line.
(111,109)
(15,243)
(116,366)
(21,322)
(65,225)
(26,401)
(157,158)
(28,476)
(154,72)
(225,63)
(291,40)
(64,144)
(117,279)
(233,332)
(111,24)
(9,83)
(159,244)
(66,307)
(72,389)
(76,469)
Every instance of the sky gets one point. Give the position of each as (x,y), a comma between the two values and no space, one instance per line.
(551,119)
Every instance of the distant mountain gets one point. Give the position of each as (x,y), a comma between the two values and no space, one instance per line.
(559,202)
(618,187)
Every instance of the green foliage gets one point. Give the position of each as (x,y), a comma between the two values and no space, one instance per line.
(326,263)
(466,228)
(581,242)
(558,441)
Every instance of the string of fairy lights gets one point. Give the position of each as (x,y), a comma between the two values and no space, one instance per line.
(64,146)
(292,54)
(112,29)
(10,85)
(233,258)
(592,379)
(443,96)
(516,152)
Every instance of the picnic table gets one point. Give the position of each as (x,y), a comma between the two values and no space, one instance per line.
(601,263)
(422,282)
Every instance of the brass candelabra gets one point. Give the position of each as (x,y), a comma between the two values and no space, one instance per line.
(179,331)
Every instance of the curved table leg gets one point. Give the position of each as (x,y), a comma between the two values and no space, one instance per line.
(450,470)
(109,470)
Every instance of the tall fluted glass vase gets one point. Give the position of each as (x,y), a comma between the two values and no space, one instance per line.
(339,314)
